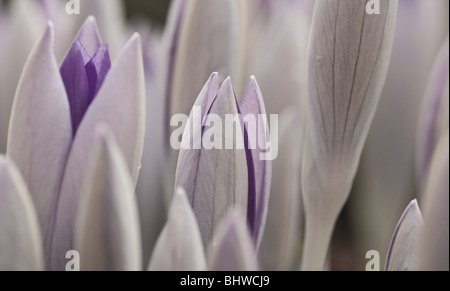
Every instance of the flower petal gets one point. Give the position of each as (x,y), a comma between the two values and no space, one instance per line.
(349,55)
(23,30)
(434,115)
(40,133)
(214,23)
(253,105)
(120,104)
(284,215)
(433,254)
(402,255)
(385,178)
(232,247)
(84,69)
(214,179)
(110,15)
(97,69)
(20,241)
(89,36)
(179,247)
(107,224)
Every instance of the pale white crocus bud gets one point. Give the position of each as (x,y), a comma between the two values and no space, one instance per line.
(179,246)
(107,233)
(349,55)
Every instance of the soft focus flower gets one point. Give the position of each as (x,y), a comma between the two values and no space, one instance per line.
(215,179)
(119,153)
(53,143)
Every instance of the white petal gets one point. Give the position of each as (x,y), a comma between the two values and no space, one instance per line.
(150,191)
(179,247)
(40,132)
(284,218)
(215,179)
(20,241)
(232,247)
(107,224)
(120,104)
(433,254)
(402,254)
(349,55)
(24,27)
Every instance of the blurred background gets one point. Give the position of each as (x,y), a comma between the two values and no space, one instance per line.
(154,10)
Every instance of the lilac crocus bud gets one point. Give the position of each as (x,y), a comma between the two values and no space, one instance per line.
(214,178)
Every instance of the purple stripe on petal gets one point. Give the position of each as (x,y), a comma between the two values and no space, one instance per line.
(252,199)
(75,80)
(96,70)
(253,104)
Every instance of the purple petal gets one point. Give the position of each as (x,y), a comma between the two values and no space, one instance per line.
(73,73)
(84,69)
(107,224)
(402,255)
(40,133)
(232,248)
(20,240)
(96,70)
(253,104)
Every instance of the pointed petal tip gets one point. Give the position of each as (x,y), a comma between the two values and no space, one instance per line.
(49,34)
(214,77)
(136,39)
(413,206)
(227,87)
